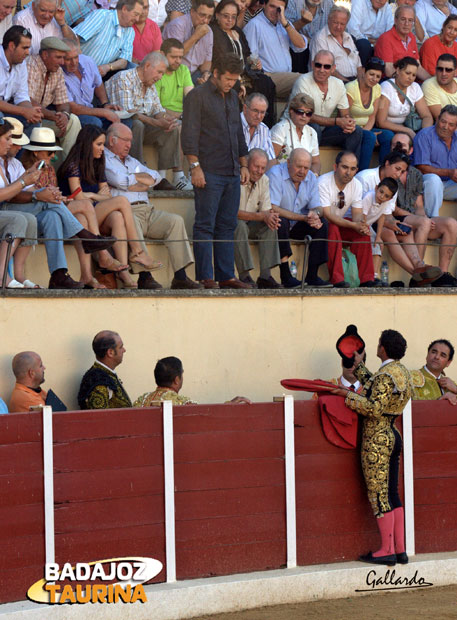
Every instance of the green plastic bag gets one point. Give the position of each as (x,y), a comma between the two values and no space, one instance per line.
(351,271)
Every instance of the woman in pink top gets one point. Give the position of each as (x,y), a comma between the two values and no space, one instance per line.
(443,43)
(148,37)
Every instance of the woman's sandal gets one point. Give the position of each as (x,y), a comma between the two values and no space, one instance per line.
(30,284)
(113,267)
(94,284)
(149,263)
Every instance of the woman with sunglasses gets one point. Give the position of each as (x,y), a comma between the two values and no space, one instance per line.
(398,94)
(229,38)
(442,43)
(295,132)
(364,95)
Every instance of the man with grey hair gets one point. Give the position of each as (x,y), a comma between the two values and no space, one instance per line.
(256,133)
(257,220)
(135,92)
(6,18)
(43,18)
(83,81)
(107,35)
(399,42)
(340,130)
(29,370)
(335,38)
(295,198)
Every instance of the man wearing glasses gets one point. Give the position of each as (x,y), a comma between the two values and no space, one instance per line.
(14,93)
(339,191)
(441,89)
(329,96)
(399,42)
(256,133)
(195,34)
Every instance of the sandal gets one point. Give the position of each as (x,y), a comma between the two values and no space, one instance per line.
(94,284)
(149,263)
(30,284)
(114,266)
(14,284)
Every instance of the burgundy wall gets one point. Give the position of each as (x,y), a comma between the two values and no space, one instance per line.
(229,482)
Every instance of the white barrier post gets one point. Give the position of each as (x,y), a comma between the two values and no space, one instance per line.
(169,483)
(289,441)
(48,473)
(408,476)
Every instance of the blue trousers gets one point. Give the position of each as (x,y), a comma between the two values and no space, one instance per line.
(216,211)
(55,222)
(368,142)
(101,123)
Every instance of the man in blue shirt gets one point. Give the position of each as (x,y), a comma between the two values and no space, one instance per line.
(295,197)
(270,35)
(435,152)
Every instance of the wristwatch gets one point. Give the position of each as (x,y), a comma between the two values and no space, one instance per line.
(194,165)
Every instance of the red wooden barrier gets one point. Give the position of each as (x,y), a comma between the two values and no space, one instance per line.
(230,489)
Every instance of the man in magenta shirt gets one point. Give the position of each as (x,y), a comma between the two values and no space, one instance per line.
(148,37)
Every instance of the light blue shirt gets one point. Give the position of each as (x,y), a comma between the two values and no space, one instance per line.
(3,407)
(431,150)
(271,43)
(103,38)
(121,174)
(366,22)
(431,17)
(320,19)
(283,193)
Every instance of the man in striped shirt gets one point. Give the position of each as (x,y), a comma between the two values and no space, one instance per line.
(107,36)
(256,133)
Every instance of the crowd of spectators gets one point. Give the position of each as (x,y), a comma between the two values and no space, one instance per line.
(84,85)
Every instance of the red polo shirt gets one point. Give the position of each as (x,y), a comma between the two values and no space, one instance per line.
(390,47)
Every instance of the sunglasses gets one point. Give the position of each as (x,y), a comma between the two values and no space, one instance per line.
(341,200)
(376,61)
(319,65)
(26,33)
(445,69)
(302,112)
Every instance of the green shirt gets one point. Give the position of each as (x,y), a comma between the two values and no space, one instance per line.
(171,88)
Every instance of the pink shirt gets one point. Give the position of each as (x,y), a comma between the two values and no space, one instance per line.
(149,40)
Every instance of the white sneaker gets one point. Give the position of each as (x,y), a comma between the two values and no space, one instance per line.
(183,184)
(14,284)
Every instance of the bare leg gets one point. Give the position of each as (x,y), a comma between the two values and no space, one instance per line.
(20,258)
(396,251)
(114,224)
(446,230)
(377,264)
(85,208)
(421,227)
(3,253)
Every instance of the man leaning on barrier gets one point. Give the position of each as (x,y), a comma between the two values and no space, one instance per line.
(295,198)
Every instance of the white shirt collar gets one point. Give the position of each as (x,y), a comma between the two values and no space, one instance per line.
(348,384)
(431,373)
(107,367)
(386,362)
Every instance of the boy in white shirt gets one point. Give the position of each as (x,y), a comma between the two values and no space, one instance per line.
(375,207)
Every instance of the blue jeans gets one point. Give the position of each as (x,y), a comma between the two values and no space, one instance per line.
(101,123)
(54,222)
(216,211)
(368,142)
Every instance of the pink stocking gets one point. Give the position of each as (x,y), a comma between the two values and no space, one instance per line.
(386,528)
(399,530)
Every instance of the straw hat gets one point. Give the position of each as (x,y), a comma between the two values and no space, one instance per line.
(18,135)
(42,139)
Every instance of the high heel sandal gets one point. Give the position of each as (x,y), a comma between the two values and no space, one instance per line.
(94,284)
(149,264)
(114,266)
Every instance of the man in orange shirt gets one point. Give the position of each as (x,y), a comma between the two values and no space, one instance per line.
(29,372)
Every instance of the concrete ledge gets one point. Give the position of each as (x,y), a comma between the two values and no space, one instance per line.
(193,598)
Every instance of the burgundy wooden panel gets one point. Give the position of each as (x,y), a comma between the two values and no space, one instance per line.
(21,488)
(435,465)
(433,439)
(19,551)
(435,491)
(211,418)
(21,428)
(436,541)
(16,581)
(23,520)
(230,559)
(336,548)
(432,413)
(21,458)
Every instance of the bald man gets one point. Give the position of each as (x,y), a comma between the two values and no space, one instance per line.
(29,370)
(100,387)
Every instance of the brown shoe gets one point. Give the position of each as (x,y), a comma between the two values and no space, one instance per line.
(234,283)
(62,279)
(146,281)
(185,284)
(209,283)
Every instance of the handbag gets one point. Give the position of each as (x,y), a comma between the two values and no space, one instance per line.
(413,120)
(350,269)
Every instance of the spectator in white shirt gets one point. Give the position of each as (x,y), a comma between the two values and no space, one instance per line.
(432,14)
(44,18)
(337,40)
(6,18)
(369,20)
(14,92)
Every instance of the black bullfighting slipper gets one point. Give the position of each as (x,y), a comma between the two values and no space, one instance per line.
(389,560)
(402,558)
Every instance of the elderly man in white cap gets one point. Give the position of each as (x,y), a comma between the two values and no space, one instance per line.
(21,226)
(47,88)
